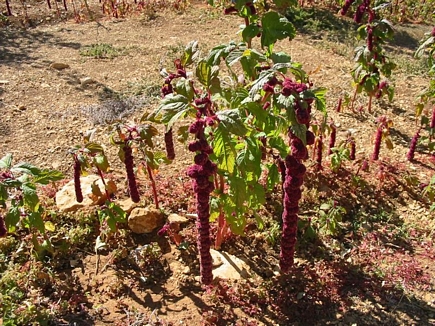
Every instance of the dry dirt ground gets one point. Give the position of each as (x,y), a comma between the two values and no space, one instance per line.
(385,277)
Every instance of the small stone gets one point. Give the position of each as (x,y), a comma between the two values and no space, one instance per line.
(145,220)
(59,65)
(178,219)
(86,81)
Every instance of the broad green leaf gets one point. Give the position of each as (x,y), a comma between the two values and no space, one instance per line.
(250,31)
(224,150)
(203,73)
(12,218)
(94,148)
(319,94)
(190,54)
(101,162)
(237,190)
(47,176)
(275,27)
(273,176)
(36,221)
(280,57)
(279,144)
(6,161)
(26,168)
(184,87)
(258,84)
(231,122)
(30,196)
(257,195)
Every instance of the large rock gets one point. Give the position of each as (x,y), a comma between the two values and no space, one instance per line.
(66,197)
(229,267)
(145,219)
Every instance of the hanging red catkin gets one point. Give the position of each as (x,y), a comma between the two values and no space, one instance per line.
(77,185)
(294,177)
(332,138)
(413,146)
(3,230)
(432,120)
(352,150)
(169,143)
(319,152)
(338,109)
(129,167)
(378,141)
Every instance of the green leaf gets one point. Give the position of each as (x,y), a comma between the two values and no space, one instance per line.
(231,122)
(273,176)
(101,162)
(12,218)
(275,27)
(36,221)
(280,57)
(191,53)
(260,81)
(203,72)
(237,190)
(6,161)
(279,144)
(184,87)
(94,148)
(30,196)
(47,176)
(257,195)
(300,131)
(320,95)
(224,150)
(26,168)
(250,31)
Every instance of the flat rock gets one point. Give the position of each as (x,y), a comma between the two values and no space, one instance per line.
(66,197)
(145,219)
(59,65)
(229,267)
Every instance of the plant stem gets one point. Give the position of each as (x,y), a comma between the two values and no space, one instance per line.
(100,173)
(370,104)
(153,185)
(9,8)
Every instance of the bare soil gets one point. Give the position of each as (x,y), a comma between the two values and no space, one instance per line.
(381,272)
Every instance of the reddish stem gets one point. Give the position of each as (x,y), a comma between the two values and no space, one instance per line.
(9,8)
(153,185)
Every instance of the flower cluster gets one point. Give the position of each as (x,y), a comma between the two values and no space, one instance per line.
(3,230)
(413,146)
(294,178)
(77,186)
(294,168)
(202,172)
(129,167)
(169,143)
(181,72)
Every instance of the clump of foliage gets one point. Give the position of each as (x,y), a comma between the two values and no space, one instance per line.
(20,202)
(237,124)
(373,65)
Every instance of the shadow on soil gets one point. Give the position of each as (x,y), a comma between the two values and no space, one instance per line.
(20,46)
